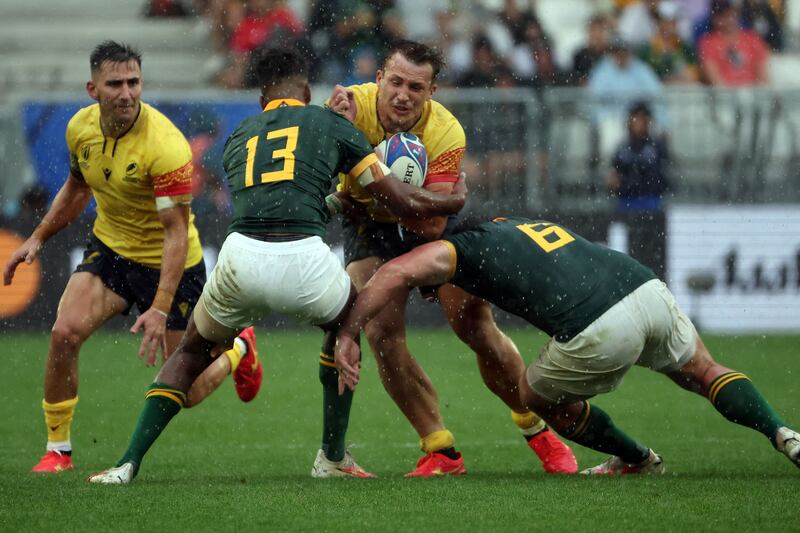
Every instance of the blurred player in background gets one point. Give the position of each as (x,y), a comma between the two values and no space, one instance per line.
(144,249)
(604,311)
(279,165)
(400,100)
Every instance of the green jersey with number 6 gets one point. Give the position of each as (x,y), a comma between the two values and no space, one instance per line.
(555,279)
(280,165)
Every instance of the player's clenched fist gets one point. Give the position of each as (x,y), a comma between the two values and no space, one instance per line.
(28,253)
(343,101)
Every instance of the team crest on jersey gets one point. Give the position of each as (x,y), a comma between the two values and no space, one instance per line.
(83,162)
(131,173)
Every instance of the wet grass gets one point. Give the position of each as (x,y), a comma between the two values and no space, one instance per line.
(230,466)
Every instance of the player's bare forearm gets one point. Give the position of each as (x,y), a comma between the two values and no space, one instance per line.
(68,204)
(429,264)
(173,258)
(408,201)
(429,229)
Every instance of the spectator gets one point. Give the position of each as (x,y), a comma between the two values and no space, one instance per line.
(222,18)
(596,46)
(522,58)
(518,21)
(620,78)
(485,65)
(362,24)
(423,20)
(210,195)
(165,8)
(363,65)
(327,65)
(732,56)
(267,23)
(758,15)
(672,59)
(637,22)
(547,74)
(638,178)
(546,71)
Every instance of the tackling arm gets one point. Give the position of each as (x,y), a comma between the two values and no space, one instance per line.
(429,264)
(410,202)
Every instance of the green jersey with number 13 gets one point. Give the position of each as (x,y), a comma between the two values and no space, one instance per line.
(280,165)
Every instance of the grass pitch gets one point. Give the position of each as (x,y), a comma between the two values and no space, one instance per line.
(229,466)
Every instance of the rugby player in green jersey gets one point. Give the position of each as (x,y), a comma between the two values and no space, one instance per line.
(604,311)
(280,165)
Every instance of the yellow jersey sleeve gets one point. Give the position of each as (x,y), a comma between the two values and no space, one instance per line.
(75,127)
(445,142)
(171,165)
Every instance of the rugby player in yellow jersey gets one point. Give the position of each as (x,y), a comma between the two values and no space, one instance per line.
(400,100)
(144,249)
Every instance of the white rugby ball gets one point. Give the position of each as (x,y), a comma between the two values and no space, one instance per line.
(406,157)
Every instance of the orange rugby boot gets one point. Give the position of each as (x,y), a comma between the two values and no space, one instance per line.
(249,373)
(54,462)
(556,457)
(437,464)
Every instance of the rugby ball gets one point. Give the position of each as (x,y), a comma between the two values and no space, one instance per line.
(406,157)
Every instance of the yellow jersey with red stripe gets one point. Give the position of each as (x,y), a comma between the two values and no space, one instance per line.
(437,128)
(127,175)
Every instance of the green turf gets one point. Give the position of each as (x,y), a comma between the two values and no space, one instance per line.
(229,466)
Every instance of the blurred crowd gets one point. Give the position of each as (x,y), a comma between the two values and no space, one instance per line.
(629,51)
(499,43)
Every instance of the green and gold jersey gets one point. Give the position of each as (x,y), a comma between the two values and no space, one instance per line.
(553,278)
(280,165)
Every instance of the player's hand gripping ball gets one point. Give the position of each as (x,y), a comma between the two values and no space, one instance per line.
(405,155)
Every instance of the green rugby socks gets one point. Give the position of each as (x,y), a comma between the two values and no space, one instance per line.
(738,400)
(594,429)
(162,402)
(335,410)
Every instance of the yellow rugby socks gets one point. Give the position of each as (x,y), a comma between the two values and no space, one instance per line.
(441,441)
(58,418)
(528,423)
(236,353)
(738,400)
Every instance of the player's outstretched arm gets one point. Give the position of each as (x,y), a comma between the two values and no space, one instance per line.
(68,204)
(408,201)
(153,322)
(429,264)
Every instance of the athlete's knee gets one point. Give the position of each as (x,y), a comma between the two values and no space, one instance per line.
(66,338)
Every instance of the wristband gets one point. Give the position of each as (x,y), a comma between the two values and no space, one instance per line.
(162,302)
(156,309)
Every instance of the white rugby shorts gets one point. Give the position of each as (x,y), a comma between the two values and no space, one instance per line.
(303,279)
(646,328)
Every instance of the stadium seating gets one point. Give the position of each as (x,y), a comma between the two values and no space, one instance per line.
(35,56)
